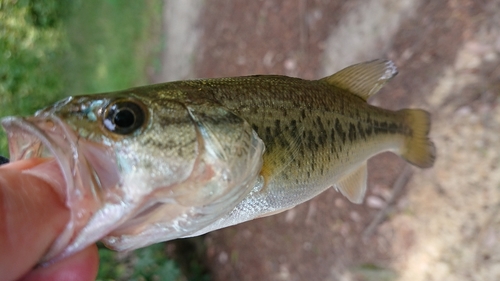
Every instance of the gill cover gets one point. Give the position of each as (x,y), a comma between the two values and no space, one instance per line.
(226,169)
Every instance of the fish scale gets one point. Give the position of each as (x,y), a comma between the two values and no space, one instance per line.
(354,132)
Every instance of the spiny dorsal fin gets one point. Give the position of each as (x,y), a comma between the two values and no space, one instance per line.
(353,185)
(363,79)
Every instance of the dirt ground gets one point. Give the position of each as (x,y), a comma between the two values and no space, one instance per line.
(444,224)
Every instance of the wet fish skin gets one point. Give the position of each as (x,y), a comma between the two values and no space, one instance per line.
(196,162)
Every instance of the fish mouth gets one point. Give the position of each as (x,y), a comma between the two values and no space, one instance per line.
(47,136)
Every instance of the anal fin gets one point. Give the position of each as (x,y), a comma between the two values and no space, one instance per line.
(353,185)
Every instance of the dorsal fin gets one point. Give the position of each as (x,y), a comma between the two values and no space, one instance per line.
(353,185)
(363,79)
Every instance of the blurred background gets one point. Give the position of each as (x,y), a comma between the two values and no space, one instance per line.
(437,224)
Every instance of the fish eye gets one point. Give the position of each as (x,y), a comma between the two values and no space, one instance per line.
(124,117)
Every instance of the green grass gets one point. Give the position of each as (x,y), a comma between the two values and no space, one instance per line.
(54,48)
(112,43)
(149,263)
(31,41)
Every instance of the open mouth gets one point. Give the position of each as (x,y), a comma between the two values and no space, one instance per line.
(86,169)
(41,138)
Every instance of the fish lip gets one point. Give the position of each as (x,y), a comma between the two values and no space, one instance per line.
(27,139)
(46,135)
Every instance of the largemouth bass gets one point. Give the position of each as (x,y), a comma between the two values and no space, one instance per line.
(180,159)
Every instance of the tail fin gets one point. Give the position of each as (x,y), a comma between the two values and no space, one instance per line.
(418,149)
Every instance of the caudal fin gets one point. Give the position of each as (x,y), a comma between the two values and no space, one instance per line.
(418,149)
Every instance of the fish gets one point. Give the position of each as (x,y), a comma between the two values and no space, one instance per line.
(183,158)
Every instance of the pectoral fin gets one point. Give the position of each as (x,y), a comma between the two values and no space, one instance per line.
(353,185)
(278,157)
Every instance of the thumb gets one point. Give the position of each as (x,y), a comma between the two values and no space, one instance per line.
(32,216)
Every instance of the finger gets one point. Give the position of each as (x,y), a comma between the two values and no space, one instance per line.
(82,266)
(32,217)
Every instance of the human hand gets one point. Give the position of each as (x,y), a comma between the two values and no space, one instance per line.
(32,215)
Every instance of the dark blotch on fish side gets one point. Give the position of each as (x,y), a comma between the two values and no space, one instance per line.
(3,160)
